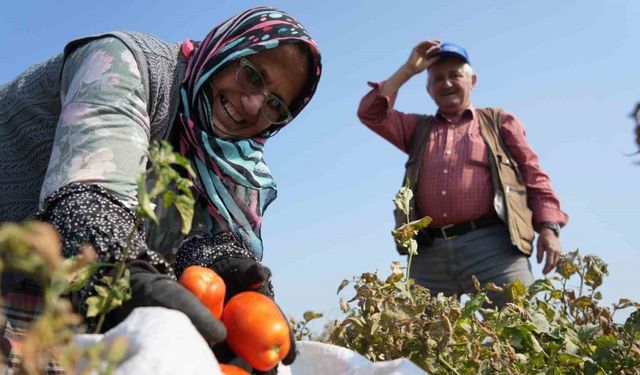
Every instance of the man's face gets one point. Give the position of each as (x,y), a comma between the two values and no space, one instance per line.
(450,85)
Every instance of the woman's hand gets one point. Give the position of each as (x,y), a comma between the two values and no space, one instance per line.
(150,288)
(240,270)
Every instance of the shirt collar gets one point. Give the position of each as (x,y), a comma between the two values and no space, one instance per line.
(468,113)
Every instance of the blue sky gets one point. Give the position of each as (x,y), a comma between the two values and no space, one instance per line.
(568,69)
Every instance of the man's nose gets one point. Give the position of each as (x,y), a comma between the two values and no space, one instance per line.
(252,102)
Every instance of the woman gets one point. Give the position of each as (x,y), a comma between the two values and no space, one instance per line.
(74,129)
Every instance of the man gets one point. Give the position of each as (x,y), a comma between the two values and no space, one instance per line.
(478,179)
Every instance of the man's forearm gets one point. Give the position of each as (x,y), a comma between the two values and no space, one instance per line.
(393,84)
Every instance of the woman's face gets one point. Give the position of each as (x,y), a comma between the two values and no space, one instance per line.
(236,112)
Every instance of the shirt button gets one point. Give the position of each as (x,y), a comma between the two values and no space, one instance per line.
(444,214)
(444,192)
(446,171)
(451,138)
(448,152)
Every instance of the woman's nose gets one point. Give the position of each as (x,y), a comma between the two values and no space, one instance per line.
(252,102)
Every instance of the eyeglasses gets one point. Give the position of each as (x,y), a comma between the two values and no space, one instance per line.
(273,109)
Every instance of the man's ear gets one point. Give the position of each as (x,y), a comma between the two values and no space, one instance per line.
(474,79)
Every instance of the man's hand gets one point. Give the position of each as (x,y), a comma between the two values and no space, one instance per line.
(420,59)
(548,243)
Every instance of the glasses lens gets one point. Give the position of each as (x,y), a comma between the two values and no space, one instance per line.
(275,110)
(250,79)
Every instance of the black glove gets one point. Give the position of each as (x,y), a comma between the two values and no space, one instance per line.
(150,288)
(240,270)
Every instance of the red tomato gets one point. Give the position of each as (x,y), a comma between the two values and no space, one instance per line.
(207,286)
(232,370)
(256,330)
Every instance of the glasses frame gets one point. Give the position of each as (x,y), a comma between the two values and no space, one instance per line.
(244,64)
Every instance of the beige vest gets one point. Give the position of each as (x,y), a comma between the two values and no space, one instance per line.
(510,200)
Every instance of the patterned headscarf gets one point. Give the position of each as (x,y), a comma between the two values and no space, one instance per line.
(232,175)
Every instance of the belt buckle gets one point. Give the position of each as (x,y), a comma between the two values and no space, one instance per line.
(443,230)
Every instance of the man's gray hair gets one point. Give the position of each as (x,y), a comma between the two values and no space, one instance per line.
(468,70)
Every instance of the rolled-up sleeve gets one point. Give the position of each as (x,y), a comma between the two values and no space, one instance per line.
(377,113)
(542,199)
(102,135)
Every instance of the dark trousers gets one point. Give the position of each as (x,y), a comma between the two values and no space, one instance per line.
(447,265)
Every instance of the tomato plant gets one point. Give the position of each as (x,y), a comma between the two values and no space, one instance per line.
(256,329)
(207,286)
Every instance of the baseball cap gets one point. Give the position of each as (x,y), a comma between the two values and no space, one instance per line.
(453,50)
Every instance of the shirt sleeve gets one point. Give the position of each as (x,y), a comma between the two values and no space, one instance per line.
(102,134)
(541,198)
(377,113)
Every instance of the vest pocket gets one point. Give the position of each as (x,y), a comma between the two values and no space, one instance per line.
(520,217)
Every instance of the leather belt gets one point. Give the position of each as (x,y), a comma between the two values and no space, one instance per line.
(451,231)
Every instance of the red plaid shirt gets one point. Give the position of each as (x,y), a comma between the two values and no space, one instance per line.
(455,181)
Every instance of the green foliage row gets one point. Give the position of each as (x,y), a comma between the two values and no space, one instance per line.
(547,329)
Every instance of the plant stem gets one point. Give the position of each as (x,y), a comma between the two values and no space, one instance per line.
(121,266)
(446,365)
(406,278)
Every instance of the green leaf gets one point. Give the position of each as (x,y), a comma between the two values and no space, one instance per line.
(185,205)
(596,271)
(168,198)
(403,198)
(516,291)
(420,224)
(80,277)
(632,324)
(472,305)
(342,285)
(102,291)
(624,303)
(145,208)
(94,306)
(570,359)
(583,302)
(310,315)
(344,305)
(355,321)
(514,336)
(521,338)
(540,322)
(184,163)
(586,332)
(412,249)
(540,285)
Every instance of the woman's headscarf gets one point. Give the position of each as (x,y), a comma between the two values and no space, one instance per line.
(232,175)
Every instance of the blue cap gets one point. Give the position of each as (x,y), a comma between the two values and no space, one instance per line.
(453,50)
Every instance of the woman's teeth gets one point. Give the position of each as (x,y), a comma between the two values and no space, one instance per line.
(230,110)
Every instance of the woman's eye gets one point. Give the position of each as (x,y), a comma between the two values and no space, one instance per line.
(254,78)
(273,103)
